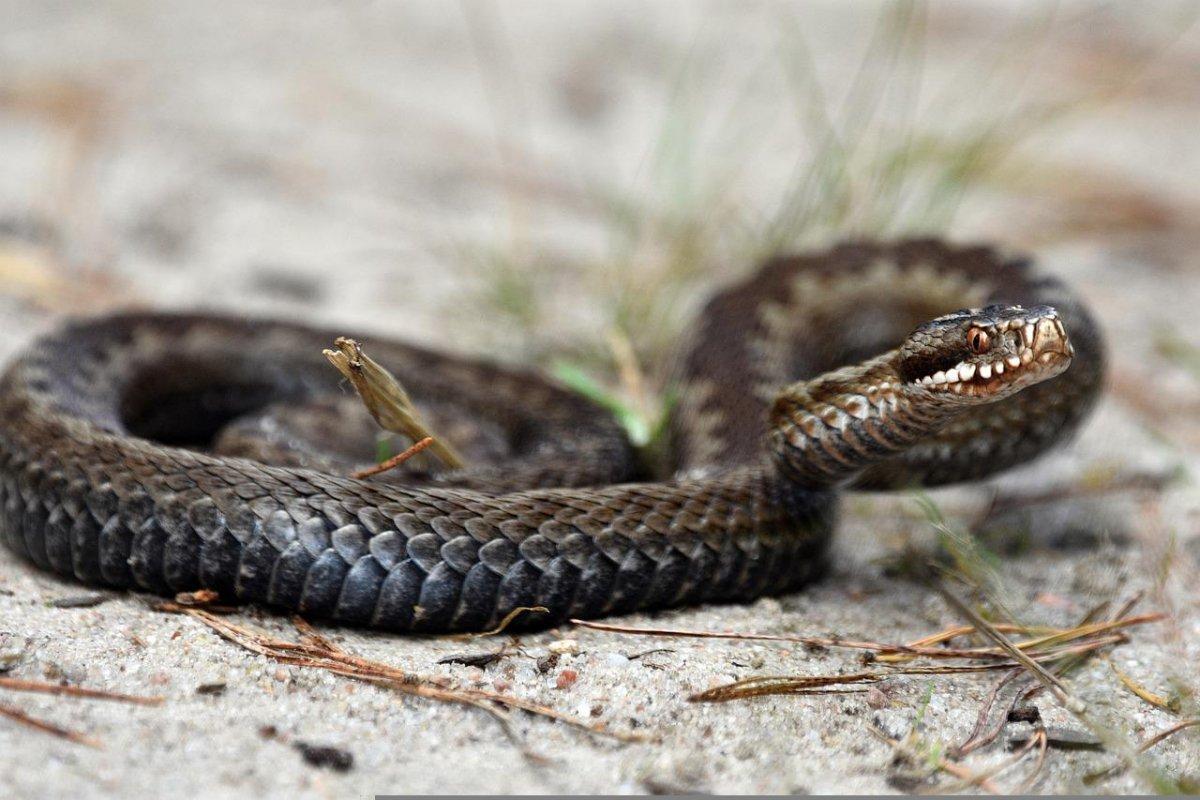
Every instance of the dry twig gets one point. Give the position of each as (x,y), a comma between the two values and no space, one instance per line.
(1052,651)
(314,650)
(1043,749)
(41,687)
(1039,737)
(943,764)
(504,623)
(394,461)
(884,652)
(783,684)
(20,716)
(1156,700)
(1048,679)
(18,685)
(1119,767)
(1169,732)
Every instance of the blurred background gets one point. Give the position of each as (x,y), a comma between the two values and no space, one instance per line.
(563,184)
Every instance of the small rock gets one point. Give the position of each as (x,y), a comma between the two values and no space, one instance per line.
(200,598)
(332,758)
(79,601)
(566,679)
(876,698)
(1025,714)
(53,671)
(12,650)
(564,647)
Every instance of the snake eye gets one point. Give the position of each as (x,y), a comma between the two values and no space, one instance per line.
(978,339)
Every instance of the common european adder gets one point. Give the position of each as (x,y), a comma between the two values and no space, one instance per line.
(177,452)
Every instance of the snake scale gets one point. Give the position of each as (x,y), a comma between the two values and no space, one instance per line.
(172,452)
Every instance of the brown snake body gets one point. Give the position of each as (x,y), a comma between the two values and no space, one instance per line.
(172,453)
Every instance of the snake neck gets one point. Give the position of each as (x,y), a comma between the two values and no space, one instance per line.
(825,431)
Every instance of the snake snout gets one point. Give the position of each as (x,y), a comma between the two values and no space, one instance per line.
(990,353)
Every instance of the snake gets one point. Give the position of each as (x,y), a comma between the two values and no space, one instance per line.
(173,452)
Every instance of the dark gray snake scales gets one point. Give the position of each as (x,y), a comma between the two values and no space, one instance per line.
(171,453)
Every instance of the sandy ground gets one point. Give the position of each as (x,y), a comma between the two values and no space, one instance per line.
(327,164)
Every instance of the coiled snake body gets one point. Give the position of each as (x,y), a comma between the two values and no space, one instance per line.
(171,453)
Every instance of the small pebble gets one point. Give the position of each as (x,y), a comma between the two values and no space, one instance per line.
(1025,714)
(79,601)
(326,757)
(564,647)
(745,750)
(876,698)
(12,650)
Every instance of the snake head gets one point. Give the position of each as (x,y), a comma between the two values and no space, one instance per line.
(986,354)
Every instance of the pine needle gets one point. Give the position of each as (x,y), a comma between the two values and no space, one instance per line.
(315,651)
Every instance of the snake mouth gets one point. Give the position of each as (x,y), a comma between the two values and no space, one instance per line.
(1035,349)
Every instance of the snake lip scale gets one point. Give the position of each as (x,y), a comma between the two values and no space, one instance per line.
(1036,346)
(173,452)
